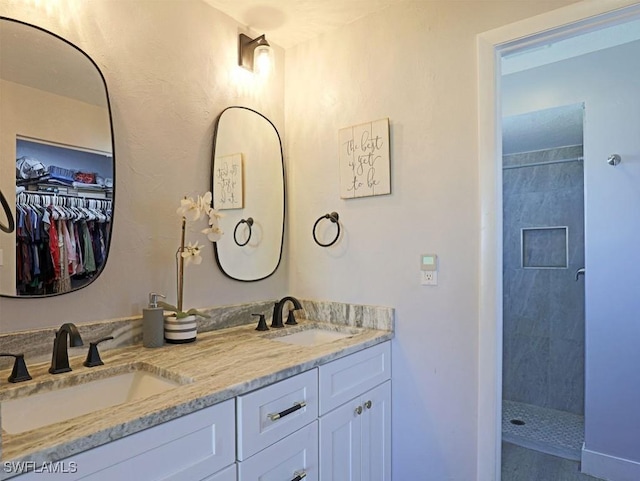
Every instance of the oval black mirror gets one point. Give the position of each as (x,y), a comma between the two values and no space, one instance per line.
(57,133)
(248,188)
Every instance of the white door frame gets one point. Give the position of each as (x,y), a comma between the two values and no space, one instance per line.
(564,22)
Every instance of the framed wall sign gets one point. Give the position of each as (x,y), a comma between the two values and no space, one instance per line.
(364,160)
(228,181)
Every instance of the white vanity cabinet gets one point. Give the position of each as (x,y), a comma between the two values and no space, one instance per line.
(355,421)
(197,447)
(331,423)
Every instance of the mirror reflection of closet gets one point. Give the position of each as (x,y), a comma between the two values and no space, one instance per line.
(57,135)
(248,188)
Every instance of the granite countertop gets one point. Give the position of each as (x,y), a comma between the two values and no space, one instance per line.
(218,366)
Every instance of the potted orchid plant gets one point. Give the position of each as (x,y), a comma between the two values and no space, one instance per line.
(181,327)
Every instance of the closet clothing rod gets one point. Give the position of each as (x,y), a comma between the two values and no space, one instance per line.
(545,162)
(68,196)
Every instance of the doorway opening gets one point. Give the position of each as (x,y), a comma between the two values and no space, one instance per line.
(536,35)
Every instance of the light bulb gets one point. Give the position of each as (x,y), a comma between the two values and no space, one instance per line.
(262,60)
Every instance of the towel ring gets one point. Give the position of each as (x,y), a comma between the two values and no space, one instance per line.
(249,222)
(333,217)
(9,228)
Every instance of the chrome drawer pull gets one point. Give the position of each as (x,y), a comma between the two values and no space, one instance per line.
(367,405)
(359,410)
(299,475)
(281,414)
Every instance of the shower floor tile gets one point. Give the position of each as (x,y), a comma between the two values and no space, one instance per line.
(546,430)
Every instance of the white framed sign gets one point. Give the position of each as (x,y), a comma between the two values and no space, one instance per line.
(365,169)
(228,180)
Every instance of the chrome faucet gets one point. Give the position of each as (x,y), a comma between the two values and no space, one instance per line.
(276,320)
(60,357)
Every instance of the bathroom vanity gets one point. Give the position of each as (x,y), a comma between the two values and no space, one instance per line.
(311,401)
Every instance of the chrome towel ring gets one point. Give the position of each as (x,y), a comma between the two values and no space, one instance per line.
(9,228)
(249,222)
(333,217)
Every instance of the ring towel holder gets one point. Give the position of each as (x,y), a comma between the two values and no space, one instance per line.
(333,217)
(9,228)
(249,222)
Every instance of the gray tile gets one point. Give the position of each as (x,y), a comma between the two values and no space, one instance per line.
(566,376)
(544,308)
(547,430)
(525,374)
(522,464)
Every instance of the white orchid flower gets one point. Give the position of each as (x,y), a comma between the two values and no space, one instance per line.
(189,209)
(213,233)
(204,202)
(214,216)
(191,253)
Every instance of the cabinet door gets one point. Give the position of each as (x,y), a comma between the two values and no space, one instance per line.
(228,474)
(347,378)
(340,442)
(294,457)
(376,434)
(188,448)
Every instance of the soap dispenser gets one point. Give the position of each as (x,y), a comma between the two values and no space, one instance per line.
(153,323)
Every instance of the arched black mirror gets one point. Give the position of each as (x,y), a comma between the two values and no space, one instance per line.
(248,188)
(56,133)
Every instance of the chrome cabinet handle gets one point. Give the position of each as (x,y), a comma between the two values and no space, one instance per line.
(296,406)
(359,410)
(580,272)
(299,475)
(367,405)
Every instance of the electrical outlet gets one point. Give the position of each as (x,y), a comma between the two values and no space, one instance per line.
(429,278)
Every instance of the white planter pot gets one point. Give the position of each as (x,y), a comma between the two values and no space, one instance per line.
(180,331)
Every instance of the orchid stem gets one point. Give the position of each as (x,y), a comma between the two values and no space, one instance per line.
(180,265)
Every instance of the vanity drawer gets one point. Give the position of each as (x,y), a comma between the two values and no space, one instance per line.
(271,413)
(291,458)
(349,377)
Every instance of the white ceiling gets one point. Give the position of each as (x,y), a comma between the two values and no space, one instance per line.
(289,22)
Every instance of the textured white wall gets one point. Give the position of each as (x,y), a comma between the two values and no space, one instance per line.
(416,64)
(170,70)
(170,67)
(607,82)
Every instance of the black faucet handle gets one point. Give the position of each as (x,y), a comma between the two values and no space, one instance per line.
(262,323)
(19,372)
(93,356)
(291,318)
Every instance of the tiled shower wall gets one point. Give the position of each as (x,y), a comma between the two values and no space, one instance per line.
(543,353)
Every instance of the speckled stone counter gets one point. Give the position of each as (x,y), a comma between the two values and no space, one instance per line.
(220,365)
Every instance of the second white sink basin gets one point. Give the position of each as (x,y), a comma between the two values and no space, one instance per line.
(45,408)
(312,337)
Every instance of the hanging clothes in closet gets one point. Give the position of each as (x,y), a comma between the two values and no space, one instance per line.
(61,241)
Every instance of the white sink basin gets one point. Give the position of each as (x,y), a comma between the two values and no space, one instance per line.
(311,337)
(45,408)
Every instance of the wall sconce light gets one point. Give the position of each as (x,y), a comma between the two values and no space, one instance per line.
(254,54)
